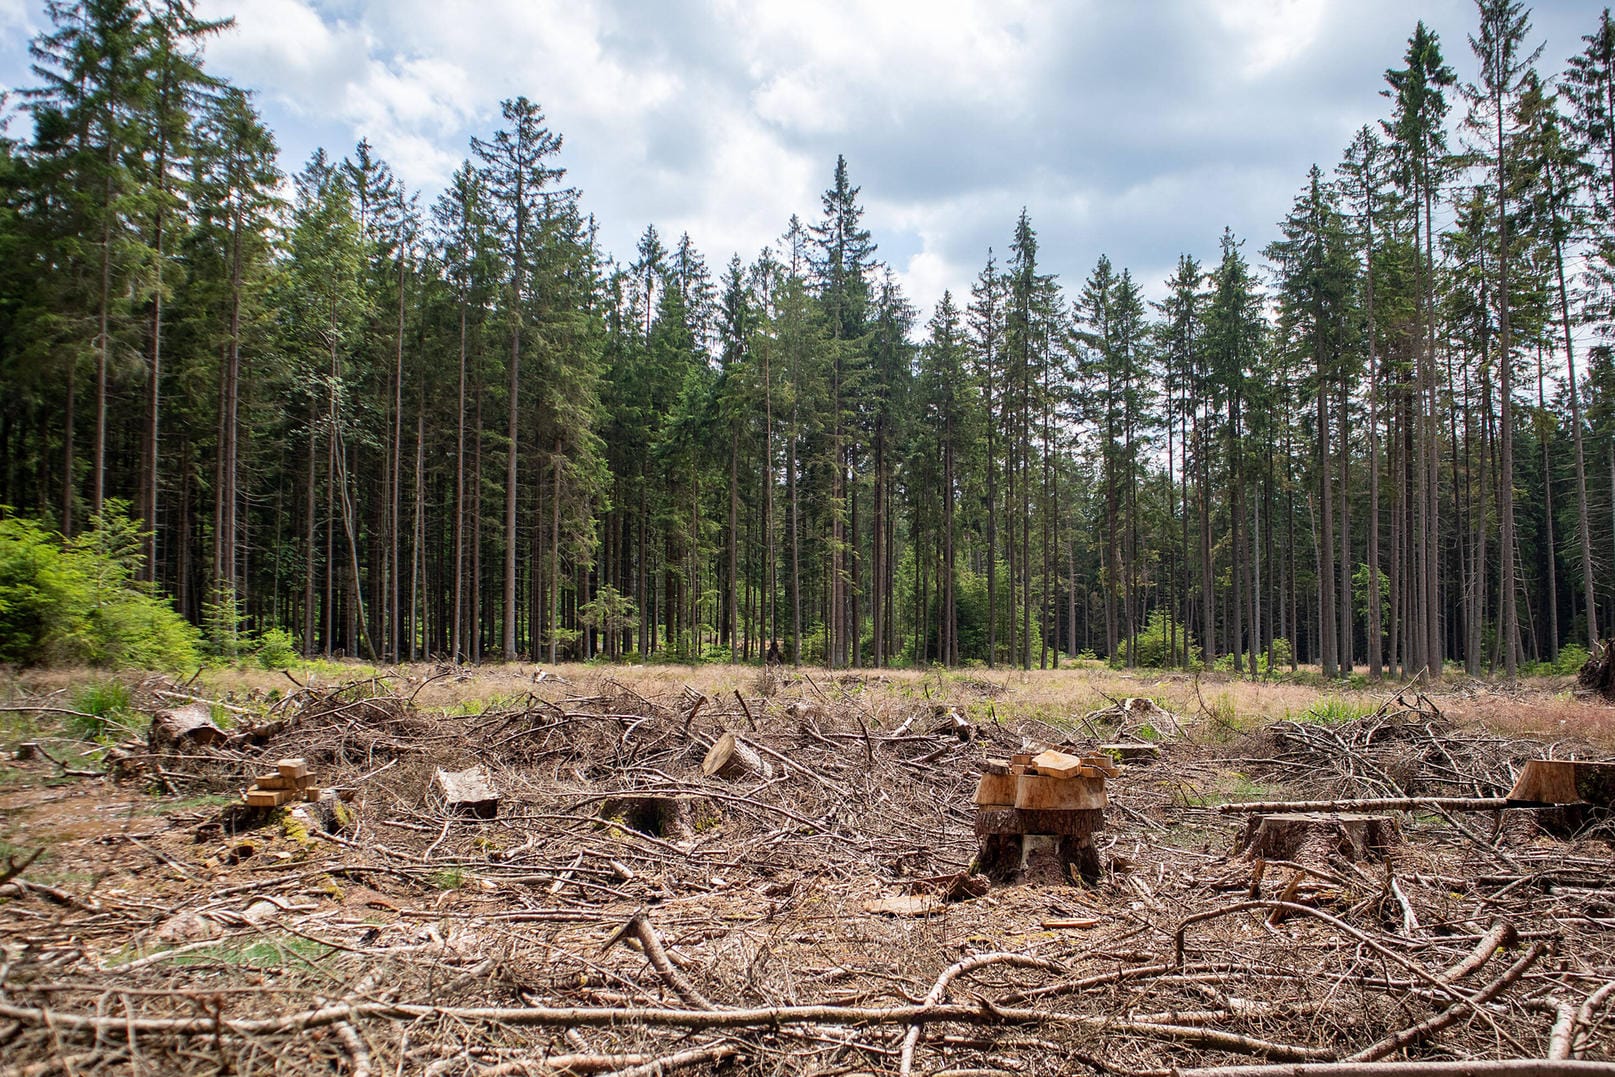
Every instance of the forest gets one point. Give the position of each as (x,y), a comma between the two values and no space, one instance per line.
(401,426)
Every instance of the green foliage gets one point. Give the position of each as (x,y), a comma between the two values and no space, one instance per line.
(1572,656)
(1156,641)
(1332,710)
(277,649)
(76,601)
(222,620)
(100,706)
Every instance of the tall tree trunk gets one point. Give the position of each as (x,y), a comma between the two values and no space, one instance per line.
(507,648)
(457,628)
(1505,480)
(1583,528)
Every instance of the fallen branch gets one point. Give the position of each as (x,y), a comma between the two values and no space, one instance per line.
(1371,804)
(617,1017)
(1512,1067)
(939,991)
(1414,1033)
(638,926)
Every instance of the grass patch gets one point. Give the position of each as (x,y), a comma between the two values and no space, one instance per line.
(105,709)
(1332,710)
(447,878)
(260,955)
(1236,787)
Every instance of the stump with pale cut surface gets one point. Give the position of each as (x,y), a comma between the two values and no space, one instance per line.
(1318,836)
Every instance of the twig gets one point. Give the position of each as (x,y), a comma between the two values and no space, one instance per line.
(14,869)
(639,927)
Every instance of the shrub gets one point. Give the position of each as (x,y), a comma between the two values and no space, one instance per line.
(1572,656)
(67,601)
(277,649)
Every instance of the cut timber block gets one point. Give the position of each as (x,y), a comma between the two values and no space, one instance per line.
(1102,763)
(272,781)
(996,791)
(1317,836)
(731,757)
(468,792)
(293,769)
(1565,781)
(1035,792)
(995,766)
(268,798)
(1021,759)
(1057,764)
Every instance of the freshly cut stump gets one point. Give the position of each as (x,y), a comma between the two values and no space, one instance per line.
(1318,836)
(1565,781)
(468,792)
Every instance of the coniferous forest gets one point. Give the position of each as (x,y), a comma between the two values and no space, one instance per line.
(399,427)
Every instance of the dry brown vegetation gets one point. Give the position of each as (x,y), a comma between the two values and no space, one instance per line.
(625,913)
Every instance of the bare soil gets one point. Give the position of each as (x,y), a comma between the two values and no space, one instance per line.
(625,913)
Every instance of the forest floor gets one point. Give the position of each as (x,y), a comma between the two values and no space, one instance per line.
(626,913)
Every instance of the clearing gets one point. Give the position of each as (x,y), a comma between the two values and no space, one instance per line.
(807,907)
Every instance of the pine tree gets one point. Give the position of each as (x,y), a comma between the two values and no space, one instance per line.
(524,204)
(1504,68)
(1418,141)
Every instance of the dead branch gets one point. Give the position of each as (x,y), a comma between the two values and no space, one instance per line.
(1368,804)
(939,991)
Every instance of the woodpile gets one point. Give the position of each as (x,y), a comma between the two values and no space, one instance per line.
(290,783)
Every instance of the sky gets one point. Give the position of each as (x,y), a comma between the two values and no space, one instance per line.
(1137,129)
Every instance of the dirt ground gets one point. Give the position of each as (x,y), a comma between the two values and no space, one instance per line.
(814,912)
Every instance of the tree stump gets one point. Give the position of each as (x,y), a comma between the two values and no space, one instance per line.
(1565,781)
(1598,673)
(1038,846)
(667,817)
(1318,836)
(183,727)
(468,792)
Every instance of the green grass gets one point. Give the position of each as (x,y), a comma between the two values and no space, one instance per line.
(263,954)
(447,879)
(1332,710)
(105,709)
(1234,787)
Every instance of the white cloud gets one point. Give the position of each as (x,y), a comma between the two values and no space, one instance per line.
(1137,130)
(1270,33)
